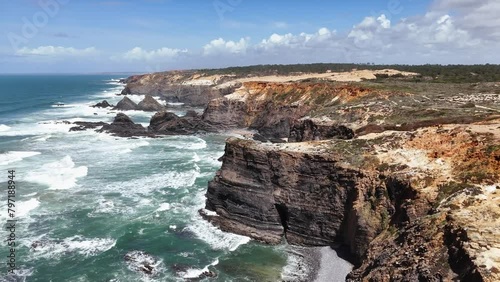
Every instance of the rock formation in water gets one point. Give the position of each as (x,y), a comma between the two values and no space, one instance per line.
(126,105)
(166,123)
(103,104)
(123,126)
(140,261)
(149,104)
(84,125)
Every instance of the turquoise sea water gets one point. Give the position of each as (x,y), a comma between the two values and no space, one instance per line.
(85,199)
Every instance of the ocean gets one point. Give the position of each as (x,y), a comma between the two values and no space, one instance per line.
(85,199)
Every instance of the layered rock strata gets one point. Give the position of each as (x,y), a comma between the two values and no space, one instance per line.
(402,202)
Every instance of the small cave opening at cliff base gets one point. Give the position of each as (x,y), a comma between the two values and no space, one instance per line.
(284,216)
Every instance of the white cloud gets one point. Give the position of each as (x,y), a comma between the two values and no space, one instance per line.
(220,46)
(480,17)
(384,21)
(302,40)
(55,51)
(139,54)
(367,29)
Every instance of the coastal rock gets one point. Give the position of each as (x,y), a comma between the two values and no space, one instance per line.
(126,105)
(270,119)
(171,88)
(84,125)
(149,104)
(316,129)
(226,113)
(167,123)
(123,126)
(140,261)
(103,104)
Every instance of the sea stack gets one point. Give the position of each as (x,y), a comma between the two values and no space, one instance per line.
(149,104)
(126,105)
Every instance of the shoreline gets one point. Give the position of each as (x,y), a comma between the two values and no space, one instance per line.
(318,264)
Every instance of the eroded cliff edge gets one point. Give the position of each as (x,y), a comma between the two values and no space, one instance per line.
(411,206)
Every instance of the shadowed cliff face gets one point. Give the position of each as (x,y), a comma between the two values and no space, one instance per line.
(310,198)
(278,110)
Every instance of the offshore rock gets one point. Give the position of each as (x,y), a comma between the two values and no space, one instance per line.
(126,105)
(140,261)
(103,104)
(167,123)
(84,125)
(123,126)
(149,104)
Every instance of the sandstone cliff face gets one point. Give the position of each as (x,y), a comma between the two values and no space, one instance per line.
(275,109)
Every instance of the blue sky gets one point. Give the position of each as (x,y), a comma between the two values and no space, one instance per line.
(154,35)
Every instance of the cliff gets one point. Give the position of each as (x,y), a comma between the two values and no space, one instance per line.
(171,86)
(304,193)
(408,206)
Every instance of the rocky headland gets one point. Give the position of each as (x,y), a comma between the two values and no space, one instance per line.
(405,175)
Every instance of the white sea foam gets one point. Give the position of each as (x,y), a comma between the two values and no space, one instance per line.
(4,127)
(194,273)
(215,237)
(43,138)
(128,147)
(114,83)
(211,159)
(87,247)
(149,183)
(295,268)
(196,158)
(110,92)
(15,156)
(175,104)
(103,207)
(24,207)
(40,128)
(78,112)
(59,175)
(20,274)
(186,143)
(61,105)
(137,260)
(163,207)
